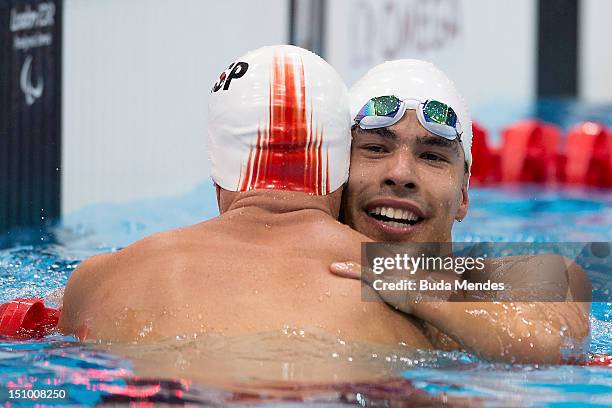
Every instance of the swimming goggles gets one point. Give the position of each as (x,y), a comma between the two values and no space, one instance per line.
(437,117)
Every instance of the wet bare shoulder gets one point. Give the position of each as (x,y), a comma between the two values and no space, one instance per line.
(82,283)
(102,277)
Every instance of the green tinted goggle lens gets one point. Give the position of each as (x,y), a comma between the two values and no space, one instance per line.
(386,105)
(380,106)
(440,113)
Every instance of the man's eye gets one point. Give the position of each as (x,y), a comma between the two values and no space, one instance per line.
(432,157)
(375,148)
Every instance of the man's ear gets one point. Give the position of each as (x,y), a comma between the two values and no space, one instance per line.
(465,198)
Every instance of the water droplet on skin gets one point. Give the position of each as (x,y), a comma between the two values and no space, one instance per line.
(328,293)
(256,291)
(320,298)
(146,330)
(268,226)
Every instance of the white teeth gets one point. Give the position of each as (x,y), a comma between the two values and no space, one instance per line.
(396,213)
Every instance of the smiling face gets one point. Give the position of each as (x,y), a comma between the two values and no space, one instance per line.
(405,183)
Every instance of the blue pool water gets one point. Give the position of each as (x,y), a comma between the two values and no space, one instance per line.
(34,262)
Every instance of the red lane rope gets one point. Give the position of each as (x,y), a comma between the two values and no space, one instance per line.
(27,318)
(536,152)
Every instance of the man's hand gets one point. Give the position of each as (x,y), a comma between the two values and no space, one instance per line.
(403,300)
(353,270)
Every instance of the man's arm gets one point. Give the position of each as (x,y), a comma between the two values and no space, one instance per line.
(522,332)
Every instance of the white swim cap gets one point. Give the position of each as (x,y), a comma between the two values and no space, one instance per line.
(413,79)
(278,118)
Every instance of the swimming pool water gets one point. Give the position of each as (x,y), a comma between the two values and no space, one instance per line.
(34,262)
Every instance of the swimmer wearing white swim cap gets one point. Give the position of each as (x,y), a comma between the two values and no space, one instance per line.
(279,140)
(408,182)
(278,119)
(413,133)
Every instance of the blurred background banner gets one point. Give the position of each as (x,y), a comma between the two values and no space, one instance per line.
(504,56)
(30,111)
(486,47)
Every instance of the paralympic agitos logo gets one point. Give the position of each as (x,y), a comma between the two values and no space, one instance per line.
(31,92)
(234,71)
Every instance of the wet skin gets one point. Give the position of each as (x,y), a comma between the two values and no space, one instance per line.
(409,185)
(232,275)
(142,293)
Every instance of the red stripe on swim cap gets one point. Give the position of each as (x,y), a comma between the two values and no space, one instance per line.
(287,155)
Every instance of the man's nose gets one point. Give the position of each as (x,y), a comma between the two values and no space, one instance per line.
(401,171)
